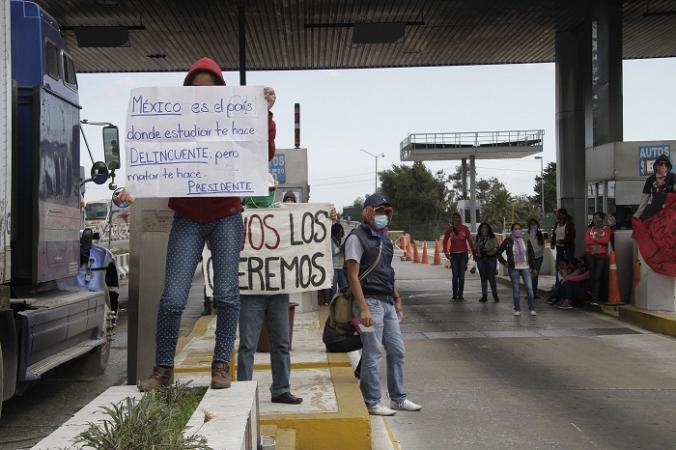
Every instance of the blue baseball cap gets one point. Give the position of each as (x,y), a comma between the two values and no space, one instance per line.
(376,200)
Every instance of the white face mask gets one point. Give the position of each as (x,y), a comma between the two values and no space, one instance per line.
(380,221)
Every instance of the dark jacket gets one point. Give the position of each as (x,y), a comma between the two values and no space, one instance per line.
(380,282)
(568,240)
(508,246)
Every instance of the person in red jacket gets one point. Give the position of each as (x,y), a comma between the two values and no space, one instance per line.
(596,241)
(217,220)
(457,243)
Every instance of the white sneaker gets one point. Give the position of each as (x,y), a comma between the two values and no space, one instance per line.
(381,410)
(517,313)
(533,313)
(405,405)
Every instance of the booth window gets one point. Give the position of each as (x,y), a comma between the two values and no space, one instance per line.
(52,60)
(69,72)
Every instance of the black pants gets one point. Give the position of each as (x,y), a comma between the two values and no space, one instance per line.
(598,270)
(458,268)
(487,266)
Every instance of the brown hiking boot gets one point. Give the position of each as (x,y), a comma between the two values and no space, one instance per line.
(220,375)
(162,376)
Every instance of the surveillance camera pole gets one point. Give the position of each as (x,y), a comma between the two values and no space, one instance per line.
(380,155)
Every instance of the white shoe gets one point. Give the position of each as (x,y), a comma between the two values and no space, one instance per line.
(533,313)
(517,313)
(405,405)
(381,410)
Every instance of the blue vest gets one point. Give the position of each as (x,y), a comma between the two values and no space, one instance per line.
(380,282)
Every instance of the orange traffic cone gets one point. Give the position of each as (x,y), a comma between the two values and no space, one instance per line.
(437,253)
(614,297)
(416,256)
(425,257)
(409,249)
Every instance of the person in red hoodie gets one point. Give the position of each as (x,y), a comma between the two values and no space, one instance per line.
(457,243)
(596,240)
(217,220)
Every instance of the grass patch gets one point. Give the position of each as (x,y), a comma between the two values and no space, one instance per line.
(154,422)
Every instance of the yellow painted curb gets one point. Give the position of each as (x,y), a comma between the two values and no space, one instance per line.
(390,434)
(660,322)
(347,429)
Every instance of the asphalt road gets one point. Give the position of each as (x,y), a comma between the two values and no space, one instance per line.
(47,404)
(561,380)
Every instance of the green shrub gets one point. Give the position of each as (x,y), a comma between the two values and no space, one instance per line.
(154,422)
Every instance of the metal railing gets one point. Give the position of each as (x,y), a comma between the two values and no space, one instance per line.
(467,139)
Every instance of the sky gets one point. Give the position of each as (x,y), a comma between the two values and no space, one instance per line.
(343,111)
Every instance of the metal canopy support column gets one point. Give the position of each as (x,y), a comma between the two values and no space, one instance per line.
(573,100)
(463,167)
(606,32)
(242,44)
(472,193)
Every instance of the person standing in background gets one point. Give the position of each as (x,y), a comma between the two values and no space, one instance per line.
(487,260)
(520,263)
(597,238)
(563,237)
(457,243)
(537,240)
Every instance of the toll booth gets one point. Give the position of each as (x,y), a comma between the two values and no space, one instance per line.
(289,167)
(615,175)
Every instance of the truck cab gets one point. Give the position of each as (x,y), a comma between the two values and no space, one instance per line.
(47,317)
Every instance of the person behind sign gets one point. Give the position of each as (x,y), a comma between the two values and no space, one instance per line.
(289,197)
(458,253)
(377,304)
(656,187)
(597,238)
(274,311)
(196,221)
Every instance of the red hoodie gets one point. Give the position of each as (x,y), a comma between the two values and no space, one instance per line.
(210,209)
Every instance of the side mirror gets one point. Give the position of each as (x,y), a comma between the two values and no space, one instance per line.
(99,172)
(117,201)
(111,147)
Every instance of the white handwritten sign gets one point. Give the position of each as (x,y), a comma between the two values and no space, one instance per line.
(286,250)
(197,141)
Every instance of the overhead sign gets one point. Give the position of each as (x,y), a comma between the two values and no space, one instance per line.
(197,141)
(286,250)
(277,168)
(647,154)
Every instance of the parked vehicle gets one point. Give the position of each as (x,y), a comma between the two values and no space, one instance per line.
(55,304)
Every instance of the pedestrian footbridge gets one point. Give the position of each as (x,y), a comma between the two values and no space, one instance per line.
(480,144)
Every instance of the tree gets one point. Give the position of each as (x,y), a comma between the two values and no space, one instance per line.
(421,200)
(550,189)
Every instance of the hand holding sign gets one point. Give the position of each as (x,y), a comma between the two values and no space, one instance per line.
(197,141)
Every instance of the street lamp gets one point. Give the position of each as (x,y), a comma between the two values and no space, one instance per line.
(542,184)
(380,155)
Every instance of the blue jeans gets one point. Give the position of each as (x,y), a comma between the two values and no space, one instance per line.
(386,335)
(275,310)
(487,266)
(186,242)
(458,268)
(514,274)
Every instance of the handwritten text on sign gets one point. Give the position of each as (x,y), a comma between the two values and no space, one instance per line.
(286,250)
(202,141)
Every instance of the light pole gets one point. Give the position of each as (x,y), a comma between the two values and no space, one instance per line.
(380,155)
(542,184)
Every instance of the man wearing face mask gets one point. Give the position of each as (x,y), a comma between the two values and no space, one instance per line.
(377,304)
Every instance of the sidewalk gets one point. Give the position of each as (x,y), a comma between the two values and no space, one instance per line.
(332,403)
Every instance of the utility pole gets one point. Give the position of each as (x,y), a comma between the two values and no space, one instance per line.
(542,184)
(379,155)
